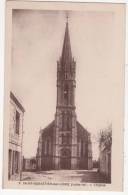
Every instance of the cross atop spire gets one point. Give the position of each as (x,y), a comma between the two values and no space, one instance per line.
(67,16)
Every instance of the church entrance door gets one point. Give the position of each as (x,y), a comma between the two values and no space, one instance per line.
(65,163)
(65,159)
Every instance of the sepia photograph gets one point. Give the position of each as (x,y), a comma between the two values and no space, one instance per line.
(64,85)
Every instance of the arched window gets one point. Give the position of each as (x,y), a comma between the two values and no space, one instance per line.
(66,91)
(66,75)
(65,139)
(68,122)
(47,147)
(63,121)
(82,149)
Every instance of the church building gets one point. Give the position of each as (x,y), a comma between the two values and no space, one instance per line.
(65,143)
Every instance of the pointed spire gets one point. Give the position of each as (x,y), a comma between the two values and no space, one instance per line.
(66,51)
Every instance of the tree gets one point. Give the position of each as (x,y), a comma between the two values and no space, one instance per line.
(105,137)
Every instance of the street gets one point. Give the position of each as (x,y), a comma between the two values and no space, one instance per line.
(78,176)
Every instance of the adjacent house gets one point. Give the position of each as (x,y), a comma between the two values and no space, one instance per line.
(15,137)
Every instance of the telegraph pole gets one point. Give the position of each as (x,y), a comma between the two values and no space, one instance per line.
(21,158)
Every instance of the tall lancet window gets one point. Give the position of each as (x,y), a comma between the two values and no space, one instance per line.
(66,94)
(69,123)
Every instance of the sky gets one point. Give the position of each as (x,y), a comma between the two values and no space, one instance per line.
(37,45)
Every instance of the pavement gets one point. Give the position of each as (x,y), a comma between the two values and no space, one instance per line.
(84,176)
(15,177)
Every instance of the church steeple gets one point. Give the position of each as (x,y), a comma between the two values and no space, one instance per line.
(66,57)
(66,68)
(65,117)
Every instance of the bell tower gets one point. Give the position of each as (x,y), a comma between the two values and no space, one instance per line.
(65,117)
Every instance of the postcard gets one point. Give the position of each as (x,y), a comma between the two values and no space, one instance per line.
(64,96)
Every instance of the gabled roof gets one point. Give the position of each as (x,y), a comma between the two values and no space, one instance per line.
(81,129)
(48,129)
(13,97)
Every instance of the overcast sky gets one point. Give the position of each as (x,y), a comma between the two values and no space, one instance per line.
(37,44)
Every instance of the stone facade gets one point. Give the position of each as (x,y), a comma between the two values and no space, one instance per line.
(15,136)
(65,143)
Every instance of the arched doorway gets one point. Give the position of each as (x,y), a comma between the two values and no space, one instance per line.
(65,159)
